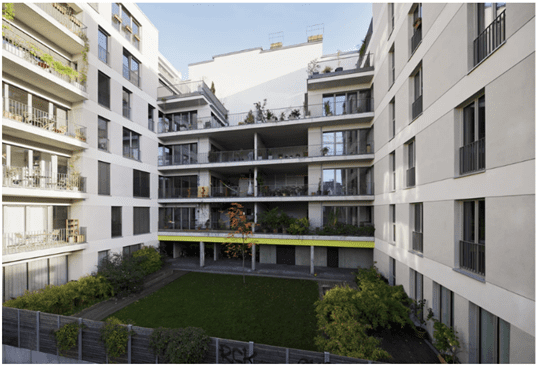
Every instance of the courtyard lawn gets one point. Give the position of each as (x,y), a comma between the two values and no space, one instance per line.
(265,310)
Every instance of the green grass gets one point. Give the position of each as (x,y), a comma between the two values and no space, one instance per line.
(274,311)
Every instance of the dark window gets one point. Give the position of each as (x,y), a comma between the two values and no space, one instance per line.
(151,111)
(126,103)
(446,306)
(490,29)
(128,250)
(178,154)
(103,90)
(177,218)
(131,144)
(392,272)
(392,65)
(417,105)
(178,187)
(417,232)
(103,178)
(410,172)
(393,171)
(391,16)
(416,20)
(494,337)
(141,220)
(472,152)
(102,134)
(101,256)
(103,45)
(472,245)
(392,130)
(393,220)
(349,215)
(141,184)
(116,221)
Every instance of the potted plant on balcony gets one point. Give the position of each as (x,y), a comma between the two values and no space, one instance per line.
(295,114)
(270,155)
(325,150)
(250,118)
(327,70)
(327,109)
(282,117)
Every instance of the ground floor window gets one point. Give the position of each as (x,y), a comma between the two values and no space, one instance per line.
(128,250)
(493,338)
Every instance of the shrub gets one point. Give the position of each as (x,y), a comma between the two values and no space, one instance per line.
(299,226)
(446,340)
(183,345)
(152,259)
(125,274)
(115,336)
(67,336)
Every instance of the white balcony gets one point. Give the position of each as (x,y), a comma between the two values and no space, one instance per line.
(15,243)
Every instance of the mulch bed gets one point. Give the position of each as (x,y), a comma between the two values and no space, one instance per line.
(405,347)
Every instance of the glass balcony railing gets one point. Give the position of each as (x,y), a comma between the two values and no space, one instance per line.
(21,112)
(22,177)
(39,240)
(65,16)
(342,64)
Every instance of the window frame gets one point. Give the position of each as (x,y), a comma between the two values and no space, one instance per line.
(100,138)
(393,171)
(131,154)
(393,221)
(100,50)
(126,103)
(116,222)
(391,17)
(133,37)
(130,74)
(473,146)
(151,118)
(410,163)
(142,213)
(392,65)
(497,338)
(102,77)
(141,184)
(392,117)
(103,183)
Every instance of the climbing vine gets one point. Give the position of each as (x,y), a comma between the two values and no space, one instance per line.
(115,336)
(66,337)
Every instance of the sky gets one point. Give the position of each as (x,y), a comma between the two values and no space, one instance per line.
(190,33)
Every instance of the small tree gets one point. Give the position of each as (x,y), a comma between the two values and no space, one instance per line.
(212,88)
(242,229)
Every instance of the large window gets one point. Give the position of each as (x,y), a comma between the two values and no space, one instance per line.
(103,178)
(178,154)
(178,187)
(103,45)
(416,23)
(141,184)
(126,103)
(141,220)
(417,232)
(347,181)
(472,245)
(410,172)
(490,29)
(347,103)
(177,218)
(417,105)
(131,144)
(102,134)
(350,142)
(472,152)
(350,215)
(124,23)
(444,309)
(103,90)
(131,68)
(116,222)
(494,336)
(180,121)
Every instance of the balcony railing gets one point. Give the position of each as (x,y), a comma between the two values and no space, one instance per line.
(132,76)
(39,240)
(64,15)
(472,157)
(22,177)
(342,64)
(187,89)
(20,112)
(490,39)
(417,241)
(26,47)
(131,152)
(410,177)
(417,107)
(166,126)
(472,257)
(103,54)
(416,39)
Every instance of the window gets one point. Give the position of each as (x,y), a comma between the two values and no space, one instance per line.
(177,218)
(392,272)
(116,222)
(180,121)
(347,181)
(124,23)
(392,130)
(393,171)
(141,184)
(131,144)
(472,245)
(103,89)
(102,134)
(349,142)
(490,29)
(392,66)
(103,45)
(131,67)
(410,172)
(443,304)
(179,187)
(472,152)
(141,220)
(417,232)
(128,250)
(178,154)
(101,256)
(348,215)
(416,287)
(391,16)
(494,335)
(417,105)
(151,111)
(126,103)
(416,22)
(347,103)
(393,227)
(103,178)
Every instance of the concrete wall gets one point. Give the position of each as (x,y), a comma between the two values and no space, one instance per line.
(12,354)
(268,254)
(355,257)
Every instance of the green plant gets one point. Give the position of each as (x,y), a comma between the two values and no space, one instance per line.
(250,118)
(8,12)
(327,109)
(295,114)
(261,111)
(327,69)
(299,226)
(446,339)
(270,218)
(325,150)
(243,229)
(313,67)
(115,336)
(66,336)
(152,261)
(212,88)
(270,116)
(125,274)
(282,117)
(180,346)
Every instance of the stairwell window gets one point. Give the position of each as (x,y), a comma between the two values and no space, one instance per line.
(472,245)
(472,151)
(490,21)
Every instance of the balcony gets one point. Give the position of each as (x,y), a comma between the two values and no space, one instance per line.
(490,39)
(472,257)
(410,177)
(341,71)
(472,157)
(40,121)
(13,243)
(417,107)
(415,40)
(22,177)
(188,94)
(417,242)
(31,61)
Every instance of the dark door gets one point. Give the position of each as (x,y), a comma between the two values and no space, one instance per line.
(286,254)
(333,257)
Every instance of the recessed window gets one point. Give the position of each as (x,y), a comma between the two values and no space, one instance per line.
(102,134)
(151,111)
(128,250)
(392,272)
(131,68)
(417,105)
(126,103)
(141,184)
(392,127)
(103,178)
(392,171)
(183,154)
(141,220)
(494,338)
(131,144)
(410,172)
(472,151)
(177,218)
(490,29)
(393,226)
(103,45)
(124,23)
(101,256)
(472,245)
(416,24)
(116,222)
(103,90)
(392,66)
(417,231)
(179,187)
(391,16)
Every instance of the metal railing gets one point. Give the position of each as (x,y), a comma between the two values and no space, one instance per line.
(22,177)
(131,152)
(22,45)
(472,257)
(166,125)
(103,54)
(417,241)
(490,39)
(65,17)
(20,112)
(416,39)
(132,76)
(342,64)
(410,177)
(417,107)
(39,240)
(472,156)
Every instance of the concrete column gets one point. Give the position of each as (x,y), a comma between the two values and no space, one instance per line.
(253,259)
(215,251)
(54,169)
(201,254)
(312,259)
(255,184)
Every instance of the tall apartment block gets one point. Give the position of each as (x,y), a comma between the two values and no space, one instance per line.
(454,132)
(79,147)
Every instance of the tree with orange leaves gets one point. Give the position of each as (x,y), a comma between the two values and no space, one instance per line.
(242,228)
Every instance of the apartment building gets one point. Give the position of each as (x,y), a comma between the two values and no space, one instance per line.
(454,133)
(79,85)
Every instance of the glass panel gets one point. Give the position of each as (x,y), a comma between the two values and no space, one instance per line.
(177,154)
(329,180)
(102,39)
(487,337)
(503,339)
(469,124)
(193,153)
(126,66)
(135,145)
(340,104)
(126,142)
(102,134)
(339,187)
(481,118)
(469,222)
(339,141)
(59,217)
(481,215)
(329,108)
(328,139)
